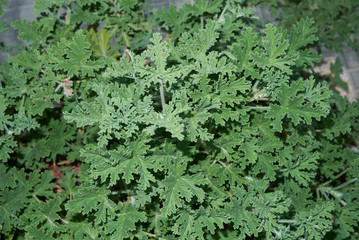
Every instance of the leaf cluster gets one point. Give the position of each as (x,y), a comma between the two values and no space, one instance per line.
(208,131)
(336,23)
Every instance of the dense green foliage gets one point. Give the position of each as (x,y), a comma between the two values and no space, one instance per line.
(336,20)
(213,130)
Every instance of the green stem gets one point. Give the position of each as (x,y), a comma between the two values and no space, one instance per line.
(338,176)
(255,85)
(59,86)
(34,196)
(150,234)
(129,54)
(259,107)
(202,22)
(261,99)
(221,18)
(162,93)
(22,102)
(324,194)
(214,161)
(345,184)
(286,221)
(223,164)
(7,129)
(318,193)
(119,192)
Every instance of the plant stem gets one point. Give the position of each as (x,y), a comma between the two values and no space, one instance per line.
(324,194)
(22,102)
(259,107)
(345,184)
(59,86)
(162,93)
(286,221)
(318,193)
(223,164)
(34,196)
(255,85)
(150,234)
(7,130)
(261,99)
(129,54)
(119,192)
(338,176)
(221,18)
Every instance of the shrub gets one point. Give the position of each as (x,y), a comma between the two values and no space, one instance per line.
(212,131)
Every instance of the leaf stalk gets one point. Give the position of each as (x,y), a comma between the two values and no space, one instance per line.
(162,93)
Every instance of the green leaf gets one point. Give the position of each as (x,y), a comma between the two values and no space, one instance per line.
(44,216)
(42,184)
(269,207)
(275,50)
(301,166)
(7,178)
(266,164)
(336,70)
(14,193)
(314,222)
(242,51)
(89,199)
(342,118)
(348,218)
(77,57)
(177,187)
(84,230)
(125,222)
(302,34)
(195,46)
(191,225)
(229,91)
(3,3)
(157,72)
(174,18)
(199,116)
(117,110)
(301,101)
(7,144)
(4,118)
(33,233)
(128,162)
(169,117)
(42,5)
(18,85)
(100,43)
(187,227)
(250,149)
(202,6)
(58,137)
(34,151)
(136,164)
(68,182)
(36,32)
(242,217)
